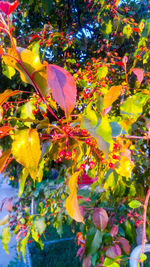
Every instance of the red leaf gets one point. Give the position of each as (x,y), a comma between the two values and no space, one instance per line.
(9,205)
(125,244)
(100,218)
(62,86)
(7,7)
(114,230)
(113,251)
(139,74)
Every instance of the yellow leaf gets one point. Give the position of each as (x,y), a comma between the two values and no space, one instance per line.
(32,63)
(112,95)
(26,150)
(1,113)
(125,167)
(71,204)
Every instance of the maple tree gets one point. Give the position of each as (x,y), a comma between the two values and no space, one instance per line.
(84,114)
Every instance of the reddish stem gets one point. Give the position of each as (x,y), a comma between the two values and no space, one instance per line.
(144,220)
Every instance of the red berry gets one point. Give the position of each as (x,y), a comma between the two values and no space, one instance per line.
(82,167)
(88,141)
(62,153)
(115,146)
(68,155)
(115,157)
(58,160)
(102,160)
(111,165)
(92,164)
(84,131)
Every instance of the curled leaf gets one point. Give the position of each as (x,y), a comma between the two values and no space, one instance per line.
(63,87)
(71,204)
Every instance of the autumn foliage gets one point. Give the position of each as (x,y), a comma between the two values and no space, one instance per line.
(87,119)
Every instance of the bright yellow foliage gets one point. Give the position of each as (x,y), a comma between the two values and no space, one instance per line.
(71,204)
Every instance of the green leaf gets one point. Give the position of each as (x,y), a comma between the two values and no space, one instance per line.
(108,27)
(127,31)
(5,238)
(134,105)
(116,128)
(134,204)
(40,225)
(110,182)
(102,144)
(27,112)
(22,180)
(108,262)
(143,257)
(8,71)
(102,72)
(23,245)
(93,241)
(35,235)
(104,130)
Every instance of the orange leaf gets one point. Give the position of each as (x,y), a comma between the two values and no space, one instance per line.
(4,158)
(4,130)
(63,87)
(6,94)
(112,95)
(71,204)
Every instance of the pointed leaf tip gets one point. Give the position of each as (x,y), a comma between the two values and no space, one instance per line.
(139,74)
(63,87)
(7,7)
(71,204)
